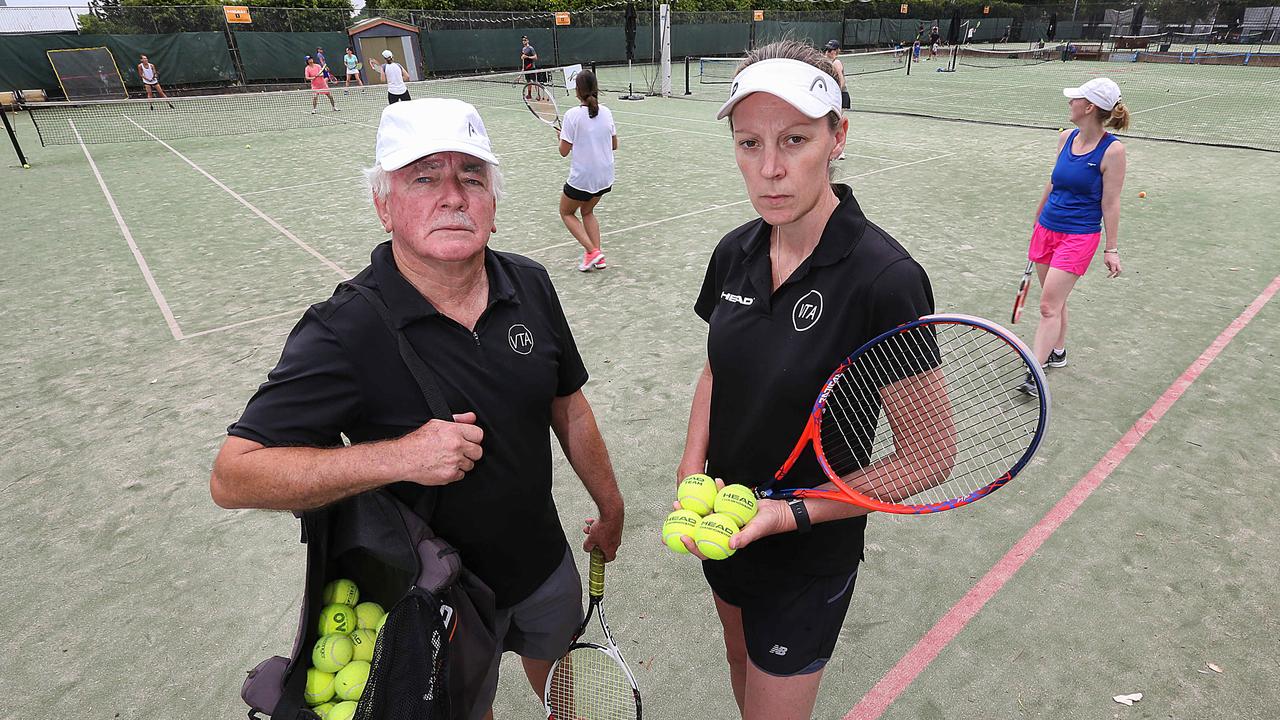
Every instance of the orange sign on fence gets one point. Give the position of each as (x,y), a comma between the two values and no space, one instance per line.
(562,18)
(237,14)
(903,8)
(757,15)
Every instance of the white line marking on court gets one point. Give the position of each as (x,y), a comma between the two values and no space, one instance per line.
(133,247)
(725,205)
(295,187)
(266,218)
(1180,102)
(242,323)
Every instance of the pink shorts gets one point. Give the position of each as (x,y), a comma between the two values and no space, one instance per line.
(1067,252)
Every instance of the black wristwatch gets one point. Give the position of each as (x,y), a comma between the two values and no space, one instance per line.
(801,513)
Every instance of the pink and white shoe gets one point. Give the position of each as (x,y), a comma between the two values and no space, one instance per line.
(599,263)
(589,259)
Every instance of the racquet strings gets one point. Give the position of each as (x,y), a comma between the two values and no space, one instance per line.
(588,684)
(541,103)
(938,371)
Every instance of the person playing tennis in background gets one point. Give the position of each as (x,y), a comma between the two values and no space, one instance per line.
(787,297)
(832,51)
(352,65)
(151,78)
(589,135)
(1081,198)
(528,63)
(314,74)
(394,74)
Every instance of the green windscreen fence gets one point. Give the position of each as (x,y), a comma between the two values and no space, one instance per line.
(814,33)
(690,39)
(282,55)
(454,51)
(182,58)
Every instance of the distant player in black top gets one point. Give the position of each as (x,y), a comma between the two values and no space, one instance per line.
(787,297)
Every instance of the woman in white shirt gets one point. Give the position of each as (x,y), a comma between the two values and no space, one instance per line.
(588,132)
(394,73)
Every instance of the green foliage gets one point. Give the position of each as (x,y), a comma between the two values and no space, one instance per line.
(126,17)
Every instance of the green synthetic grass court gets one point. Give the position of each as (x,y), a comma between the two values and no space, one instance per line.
(130,595)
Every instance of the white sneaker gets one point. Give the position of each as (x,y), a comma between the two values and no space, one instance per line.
(842,156)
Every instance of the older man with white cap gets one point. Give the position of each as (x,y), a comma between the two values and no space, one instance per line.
(787,296)
(490,327)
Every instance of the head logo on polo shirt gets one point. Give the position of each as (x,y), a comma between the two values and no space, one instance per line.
(520,339)
(807,311)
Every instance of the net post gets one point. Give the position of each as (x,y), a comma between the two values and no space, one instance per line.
(688,90)
(664,65)
(13,137)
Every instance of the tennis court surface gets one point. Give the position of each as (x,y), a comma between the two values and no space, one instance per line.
(155,270)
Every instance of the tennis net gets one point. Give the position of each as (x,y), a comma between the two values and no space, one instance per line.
(140,120)
(978,58)
(720,70)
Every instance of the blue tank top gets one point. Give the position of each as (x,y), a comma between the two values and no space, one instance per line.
(1075,203)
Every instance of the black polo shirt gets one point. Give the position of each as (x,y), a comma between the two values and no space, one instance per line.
(771,352)
(341,373)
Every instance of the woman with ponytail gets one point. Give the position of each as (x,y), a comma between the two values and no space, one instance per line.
(588,132)
(1081,199)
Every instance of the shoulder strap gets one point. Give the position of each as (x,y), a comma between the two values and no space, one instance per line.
(419,369)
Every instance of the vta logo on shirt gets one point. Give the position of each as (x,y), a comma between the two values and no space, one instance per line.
(807,311)
(736,298)
(520,339)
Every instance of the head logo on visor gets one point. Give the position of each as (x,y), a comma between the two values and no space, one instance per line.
(818,82)
(733,90)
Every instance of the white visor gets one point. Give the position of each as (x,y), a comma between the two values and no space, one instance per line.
(803,86)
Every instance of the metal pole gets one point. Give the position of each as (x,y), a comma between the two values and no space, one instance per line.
(13,138)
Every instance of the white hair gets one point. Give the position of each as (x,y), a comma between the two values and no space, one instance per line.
(379,181)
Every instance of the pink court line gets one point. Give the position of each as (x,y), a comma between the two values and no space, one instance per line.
(874,703)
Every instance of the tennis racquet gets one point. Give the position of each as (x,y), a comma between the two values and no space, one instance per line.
(1023,288)
(923,418)
(592,681)
(542,104)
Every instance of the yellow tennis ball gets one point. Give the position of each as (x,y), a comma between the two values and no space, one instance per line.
(323,710)
(697,493)
(342,592)
(712,535)
(738,502)
(342,711)
(368,614)
(680,522)
(337,618)
(350,681)
(332,652)
(319,687)
(381,622)
(363,641)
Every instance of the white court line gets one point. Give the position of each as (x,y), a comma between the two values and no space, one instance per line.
(295,187)
(267,218)
(128,237)
(732,204)
(1180,102)
(242,323)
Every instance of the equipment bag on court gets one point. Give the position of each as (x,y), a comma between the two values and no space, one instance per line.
(435,648)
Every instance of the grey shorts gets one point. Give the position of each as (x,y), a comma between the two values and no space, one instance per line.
(538,627)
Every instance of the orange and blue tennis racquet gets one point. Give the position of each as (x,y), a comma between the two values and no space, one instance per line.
(924,418)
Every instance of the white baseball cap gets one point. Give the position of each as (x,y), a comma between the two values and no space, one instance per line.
(801,85)
(409,131)
(1102,92)
(387,54)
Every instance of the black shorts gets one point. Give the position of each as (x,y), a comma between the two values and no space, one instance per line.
(404,96)
(791,621)
(844,100)
(574,193)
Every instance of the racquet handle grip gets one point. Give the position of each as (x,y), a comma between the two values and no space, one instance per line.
(596,584)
